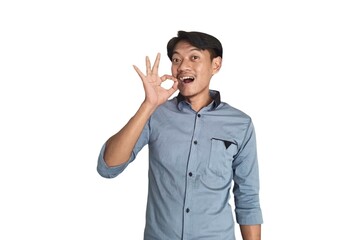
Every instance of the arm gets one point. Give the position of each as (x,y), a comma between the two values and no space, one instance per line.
(246,187)
(119,146)
(251,232)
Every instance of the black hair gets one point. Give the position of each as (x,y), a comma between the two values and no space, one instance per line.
(200,40)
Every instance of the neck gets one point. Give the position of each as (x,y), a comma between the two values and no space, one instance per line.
(198,102)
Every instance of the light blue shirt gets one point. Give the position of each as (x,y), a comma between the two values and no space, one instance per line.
(195,160)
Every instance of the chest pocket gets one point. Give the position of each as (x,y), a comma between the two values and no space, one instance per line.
(221,155)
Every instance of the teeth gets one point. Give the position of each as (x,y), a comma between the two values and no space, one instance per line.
(185,78)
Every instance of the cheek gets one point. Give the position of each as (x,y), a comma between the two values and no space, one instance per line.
(204,70)
(174,70)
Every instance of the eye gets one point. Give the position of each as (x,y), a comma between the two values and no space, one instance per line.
(195,57)
(176,60)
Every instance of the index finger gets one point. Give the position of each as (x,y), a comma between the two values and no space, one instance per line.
(168,77)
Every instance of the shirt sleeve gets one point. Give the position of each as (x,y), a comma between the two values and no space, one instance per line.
(246,181)
(110,172)
(104,170)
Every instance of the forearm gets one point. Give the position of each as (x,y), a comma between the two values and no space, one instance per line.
(119,146)
(251,232)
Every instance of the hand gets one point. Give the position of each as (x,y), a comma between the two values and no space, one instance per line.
(155,94)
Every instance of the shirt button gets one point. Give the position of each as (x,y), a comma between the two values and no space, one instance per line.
(199,115)
(190,174)
(187,210)
(195,142)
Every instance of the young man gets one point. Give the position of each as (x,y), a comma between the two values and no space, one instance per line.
(198,146)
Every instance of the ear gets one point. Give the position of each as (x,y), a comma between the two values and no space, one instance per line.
(216,64)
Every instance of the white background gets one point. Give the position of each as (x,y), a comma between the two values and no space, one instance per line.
(67,84)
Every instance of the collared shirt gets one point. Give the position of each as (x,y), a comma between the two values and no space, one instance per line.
(195,160)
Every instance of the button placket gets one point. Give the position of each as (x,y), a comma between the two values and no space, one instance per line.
(191,176)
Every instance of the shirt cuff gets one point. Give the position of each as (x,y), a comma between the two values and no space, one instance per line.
(104,170)
(248,216)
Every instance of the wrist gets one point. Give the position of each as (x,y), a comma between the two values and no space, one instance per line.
(148,107)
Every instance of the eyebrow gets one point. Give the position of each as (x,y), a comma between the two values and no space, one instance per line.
(192,49)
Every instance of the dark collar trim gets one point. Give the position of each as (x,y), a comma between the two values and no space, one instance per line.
(215,95)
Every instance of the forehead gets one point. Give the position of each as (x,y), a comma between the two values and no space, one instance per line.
(183,47)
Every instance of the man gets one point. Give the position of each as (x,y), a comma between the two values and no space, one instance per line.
(198,147)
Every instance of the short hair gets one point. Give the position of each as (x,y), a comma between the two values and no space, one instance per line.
(200,40)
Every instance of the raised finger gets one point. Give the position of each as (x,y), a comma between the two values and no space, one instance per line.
(148,65)
(141,75)
(155,68)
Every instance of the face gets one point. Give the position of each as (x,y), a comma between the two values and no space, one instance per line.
(194,69)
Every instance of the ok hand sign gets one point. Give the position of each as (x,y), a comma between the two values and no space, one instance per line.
(155,94)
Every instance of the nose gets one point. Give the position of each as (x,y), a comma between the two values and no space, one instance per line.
(184,65)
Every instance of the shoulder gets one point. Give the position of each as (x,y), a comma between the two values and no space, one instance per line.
(226,109)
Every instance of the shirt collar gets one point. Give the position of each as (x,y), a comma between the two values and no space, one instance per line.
(215,95)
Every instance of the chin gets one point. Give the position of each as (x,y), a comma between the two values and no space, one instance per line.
(185,93)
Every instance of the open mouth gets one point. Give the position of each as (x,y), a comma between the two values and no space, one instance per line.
(187,79)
